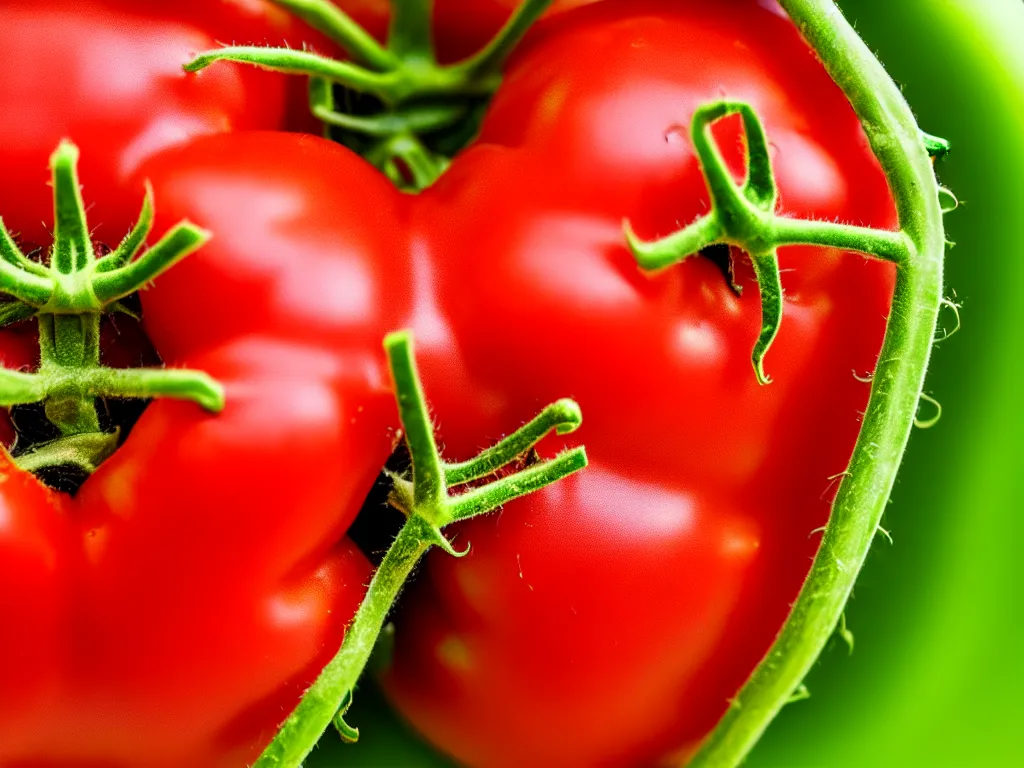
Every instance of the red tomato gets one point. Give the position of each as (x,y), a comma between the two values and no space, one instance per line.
(172,611)
(107,74)
(609,619)
(461,27)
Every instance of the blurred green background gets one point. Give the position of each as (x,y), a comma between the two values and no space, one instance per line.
(937,676)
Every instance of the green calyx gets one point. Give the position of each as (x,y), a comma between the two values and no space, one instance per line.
(744,216)
(424,496)
(68,295)
(422,111)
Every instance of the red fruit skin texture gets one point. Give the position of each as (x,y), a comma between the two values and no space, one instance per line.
(461,27)
(178,606)
(108,75)
(609,620)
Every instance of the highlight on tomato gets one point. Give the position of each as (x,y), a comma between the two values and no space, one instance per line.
(298,408)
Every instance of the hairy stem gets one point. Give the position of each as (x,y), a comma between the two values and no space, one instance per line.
(895,392)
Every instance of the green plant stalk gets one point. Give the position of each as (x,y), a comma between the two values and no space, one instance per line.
(68,296)
(425,500)
(423,101)
(896,389)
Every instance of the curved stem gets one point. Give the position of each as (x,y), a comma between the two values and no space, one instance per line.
(85,451)
(896,387)
(300,63)
(146,383)
(492,57)
(769,282)
(10,253)
(564,417)
(29,287)
(69,296)
(134,240)
(178,243)
(416,120)
(324,698)
(328,18)
(427,509)
(687,242)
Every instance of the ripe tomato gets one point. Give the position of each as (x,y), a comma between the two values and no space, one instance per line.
(608,620)
(461,27)
(107,74)
(170,612)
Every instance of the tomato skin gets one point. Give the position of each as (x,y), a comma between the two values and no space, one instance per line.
(461,27)
(590,128)
(107,74)
(518,585)
(200,579)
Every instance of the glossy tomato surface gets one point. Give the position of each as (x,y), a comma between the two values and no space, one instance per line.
(107,74)
(461,27)
(170,613)
(609,620)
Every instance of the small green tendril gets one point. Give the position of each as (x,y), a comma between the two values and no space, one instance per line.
(802,693)
(844,632)
(931,422)
(348,734)
(424,496)
(744,216)
(955,308)
(948,200)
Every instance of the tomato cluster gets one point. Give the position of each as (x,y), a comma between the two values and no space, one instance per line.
(177,607)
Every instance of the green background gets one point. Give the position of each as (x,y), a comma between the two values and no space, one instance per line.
(937,676)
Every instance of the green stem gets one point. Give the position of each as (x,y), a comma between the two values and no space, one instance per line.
(303,63)
(896,388)
(322,700)
(563,417)
(745,216)
(328,18)
(86,451)
(428,508)
(410,37)
(72,246)
(12,255)
(491,496)
(134,240)
(428,474)
(183,239)
(23,284)
(890,246)
(68,297)
(493,57)
(422,104)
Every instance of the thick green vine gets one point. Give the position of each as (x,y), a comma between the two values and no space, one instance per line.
(896,387)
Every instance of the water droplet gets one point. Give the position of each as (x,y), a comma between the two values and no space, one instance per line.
(676,134)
